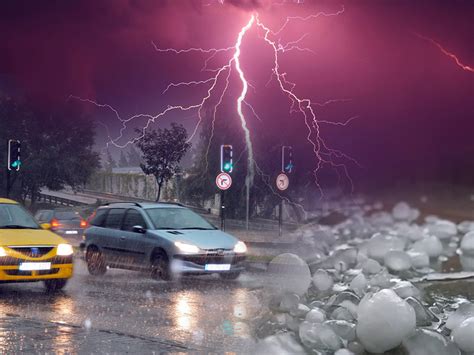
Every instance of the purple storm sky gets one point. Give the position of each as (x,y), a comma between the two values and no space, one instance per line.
(414,104)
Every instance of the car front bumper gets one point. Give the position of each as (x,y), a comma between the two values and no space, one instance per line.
(196,264)
(61,268)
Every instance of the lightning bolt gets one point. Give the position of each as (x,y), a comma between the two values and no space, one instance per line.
(447,53)
(241,98)
(309,17)
(216,85)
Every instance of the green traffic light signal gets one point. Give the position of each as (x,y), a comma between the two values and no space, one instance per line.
(287,165)
(14,155)
(226,158)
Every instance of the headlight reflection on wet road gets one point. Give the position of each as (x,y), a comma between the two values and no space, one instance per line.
(183,314)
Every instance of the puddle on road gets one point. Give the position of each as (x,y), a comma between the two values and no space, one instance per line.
(450,291)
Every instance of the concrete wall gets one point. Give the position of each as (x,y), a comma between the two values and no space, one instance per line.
(131,184)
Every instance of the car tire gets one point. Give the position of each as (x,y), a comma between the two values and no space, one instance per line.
(95,262)
(55,284)
(160,267)
(230,275)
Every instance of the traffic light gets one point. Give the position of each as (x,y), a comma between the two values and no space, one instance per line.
(287,159)
(227,164)
(14,154)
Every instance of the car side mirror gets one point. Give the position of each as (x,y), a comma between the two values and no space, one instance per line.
(46,226)
(139,229)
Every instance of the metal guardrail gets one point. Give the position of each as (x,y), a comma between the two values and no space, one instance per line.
(103,198)
(58,200)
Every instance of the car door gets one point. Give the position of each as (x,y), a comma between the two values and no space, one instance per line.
(111,239)
(136,244)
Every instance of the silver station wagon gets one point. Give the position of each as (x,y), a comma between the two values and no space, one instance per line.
(169,240)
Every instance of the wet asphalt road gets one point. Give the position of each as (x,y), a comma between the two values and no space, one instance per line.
(125,311)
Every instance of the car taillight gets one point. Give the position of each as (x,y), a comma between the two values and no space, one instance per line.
(55,223)
(83,223)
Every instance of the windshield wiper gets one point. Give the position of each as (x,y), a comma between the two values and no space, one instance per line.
(198,228)
(16,226)
(165,228)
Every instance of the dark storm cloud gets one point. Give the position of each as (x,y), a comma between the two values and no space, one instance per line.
(53,48)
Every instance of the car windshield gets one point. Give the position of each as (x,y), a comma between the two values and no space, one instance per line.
(14,216)
(66,215)
(177,218)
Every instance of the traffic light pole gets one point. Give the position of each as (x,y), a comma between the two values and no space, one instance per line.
(8,169)
(8,183)
(280,217)
(227,166)
(286,168)
(222,211)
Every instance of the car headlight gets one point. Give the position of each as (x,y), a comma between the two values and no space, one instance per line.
(3,252)
(240,247)
(187,248)
(64,250)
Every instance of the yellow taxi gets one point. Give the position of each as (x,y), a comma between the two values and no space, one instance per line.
(30,252)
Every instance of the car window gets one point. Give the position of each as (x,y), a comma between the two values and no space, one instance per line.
(132,218)
(99,217)
(114,218)
(66,215)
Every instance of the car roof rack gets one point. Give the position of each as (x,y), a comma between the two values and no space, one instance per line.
(141,204)
(122,202)
(172,203)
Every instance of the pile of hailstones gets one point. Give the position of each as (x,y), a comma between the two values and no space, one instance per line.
(356,301)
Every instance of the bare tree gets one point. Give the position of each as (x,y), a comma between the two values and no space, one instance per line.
(162,151)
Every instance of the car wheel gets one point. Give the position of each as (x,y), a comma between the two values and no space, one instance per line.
(95,262)
(55,284)
(230,275)
(160,267)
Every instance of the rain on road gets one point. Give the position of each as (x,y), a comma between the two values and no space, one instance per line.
(129,308)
